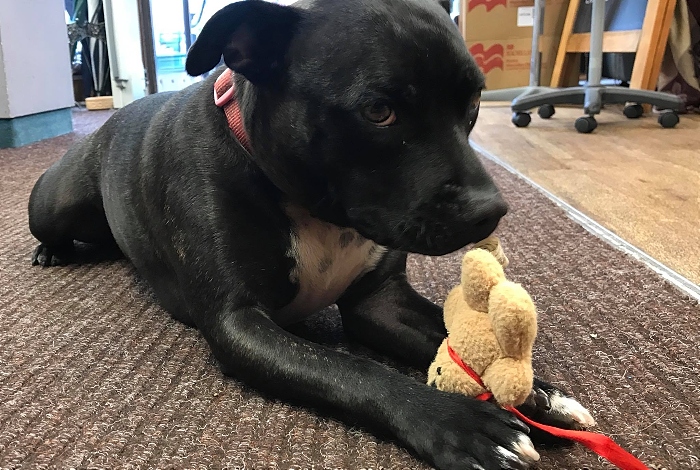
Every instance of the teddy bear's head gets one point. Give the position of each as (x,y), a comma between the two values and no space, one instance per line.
(492,325)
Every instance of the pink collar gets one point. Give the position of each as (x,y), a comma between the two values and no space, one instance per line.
(224,97)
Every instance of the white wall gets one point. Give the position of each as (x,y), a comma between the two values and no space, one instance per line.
(35,71)
(4,99)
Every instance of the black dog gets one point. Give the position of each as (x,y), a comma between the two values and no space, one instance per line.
(358,114)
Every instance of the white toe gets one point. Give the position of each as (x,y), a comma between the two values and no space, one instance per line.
(524,447)
(569,406)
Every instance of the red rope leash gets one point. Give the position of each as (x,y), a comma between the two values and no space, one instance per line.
(455,357)
(598,443)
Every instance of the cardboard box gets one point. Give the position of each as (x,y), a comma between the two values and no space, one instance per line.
(508,19)
(498,33)
(506,62)
(99,102)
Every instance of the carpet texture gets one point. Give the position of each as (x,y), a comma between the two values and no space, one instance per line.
(94,375)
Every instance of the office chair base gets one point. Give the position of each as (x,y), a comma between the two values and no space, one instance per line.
(593,98)
(521,119)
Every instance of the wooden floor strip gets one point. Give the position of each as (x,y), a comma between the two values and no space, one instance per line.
(636,179)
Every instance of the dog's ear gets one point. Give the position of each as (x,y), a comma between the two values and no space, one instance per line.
(252,35)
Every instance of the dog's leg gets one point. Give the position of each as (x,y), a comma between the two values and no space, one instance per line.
(383,312)
(449,430)
(66,206)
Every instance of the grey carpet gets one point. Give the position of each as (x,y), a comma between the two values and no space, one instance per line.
(94,375)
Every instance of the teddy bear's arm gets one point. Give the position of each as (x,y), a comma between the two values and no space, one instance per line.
(513,318)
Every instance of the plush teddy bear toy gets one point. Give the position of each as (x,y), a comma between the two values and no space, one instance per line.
(492,325)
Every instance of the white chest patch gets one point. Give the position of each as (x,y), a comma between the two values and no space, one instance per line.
(328,260)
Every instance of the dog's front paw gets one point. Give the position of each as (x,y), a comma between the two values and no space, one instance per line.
(48,256)
(456,432)
(551,406)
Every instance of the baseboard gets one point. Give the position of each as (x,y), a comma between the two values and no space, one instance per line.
(25,130)
(683,284)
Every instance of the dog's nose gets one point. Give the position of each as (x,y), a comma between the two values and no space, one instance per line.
(487,211)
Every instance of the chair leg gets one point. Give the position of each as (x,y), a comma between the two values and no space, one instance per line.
(661,100)
(505,94)
(572,95)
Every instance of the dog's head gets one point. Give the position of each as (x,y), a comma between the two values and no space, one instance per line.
(361,110)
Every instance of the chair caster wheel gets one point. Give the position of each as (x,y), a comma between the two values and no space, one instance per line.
(586,124)
(521,119)
(633,111)
(669,119)
(546,111)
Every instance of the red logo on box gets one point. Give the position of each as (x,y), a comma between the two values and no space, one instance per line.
(488,59)
(489,4)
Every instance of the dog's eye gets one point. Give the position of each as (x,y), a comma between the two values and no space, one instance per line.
(476,100)
(474,110)
(380,114)
(439,371)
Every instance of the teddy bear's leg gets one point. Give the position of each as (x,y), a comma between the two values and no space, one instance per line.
(509,379)
(549,405)
(382,311)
